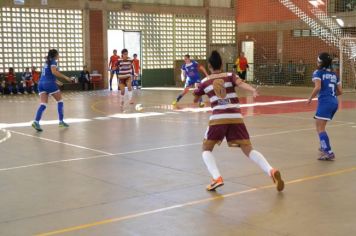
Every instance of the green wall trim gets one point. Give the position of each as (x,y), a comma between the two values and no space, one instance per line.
(158,77)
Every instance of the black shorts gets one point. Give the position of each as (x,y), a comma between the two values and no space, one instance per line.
(242,75)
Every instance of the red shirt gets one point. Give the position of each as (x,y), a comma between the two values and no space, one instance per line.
(241,63)
(35,76)
(136,63)
(113,61)
(10,78)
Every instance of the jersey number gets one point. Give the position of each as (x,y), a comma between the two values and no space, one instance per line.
(332,86)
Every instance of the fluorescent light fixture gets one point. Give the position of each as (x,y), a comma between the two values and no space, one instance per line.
(340,22)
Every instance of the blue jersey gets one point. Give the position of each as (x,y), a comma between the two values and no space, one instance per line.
(191,70)
(329,83)
(47,75)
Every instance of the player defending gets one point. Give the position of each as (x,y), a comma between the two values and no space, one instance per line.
(126,68)
(113,66)
(48,86)
(190,74)
(327,86)
(226,121)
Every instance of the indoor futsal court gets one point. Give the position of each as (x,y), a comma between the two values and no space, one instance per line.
(97,135)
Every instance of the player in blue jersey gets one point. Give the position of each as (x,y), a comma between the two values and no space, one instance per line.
(48,86)
(190,74)
(327,86)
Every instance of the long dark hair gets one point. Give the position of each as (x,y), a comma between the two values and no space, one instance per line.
(51,55)
(215,60)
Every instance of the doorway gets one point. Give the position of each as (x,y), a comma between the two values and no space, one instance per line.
(120,39)
(248,48)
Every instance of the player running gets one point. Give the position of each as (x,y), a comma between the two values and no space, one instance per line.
(126,68)
(48,86)
(327,86)
(190,74)
(226,121)
(113,66)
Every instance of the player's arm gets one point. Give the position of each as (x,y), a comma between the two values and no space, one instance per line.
(339,89)
(198,93)
(109,65)
(182,75)
(316,90)
(58,74)
(202,69)
(241,84)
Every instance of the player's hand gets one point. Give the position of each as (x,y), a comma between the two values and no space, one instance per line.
(59,83)
(309,101)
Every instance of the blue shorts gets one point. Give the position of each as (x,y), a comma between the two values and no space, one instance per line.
(190,82)
(48,87)
(325,110)
(114,72)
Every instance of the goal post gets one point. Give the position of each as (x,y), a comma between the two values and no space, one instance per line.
(347,69)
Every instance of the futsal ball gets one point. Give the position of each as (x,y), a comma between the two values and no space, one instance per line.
(138,107)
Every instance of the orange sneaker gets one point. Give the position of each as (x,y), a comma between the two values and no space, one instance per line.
(276,177)
(215,183)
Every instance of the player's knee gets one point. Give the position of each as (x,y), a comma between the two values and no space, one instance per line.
(246,149)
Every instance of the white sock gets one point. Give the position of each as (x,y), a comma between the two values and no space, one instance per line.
(130,95)
(209,160)
(122,97)
(260,160)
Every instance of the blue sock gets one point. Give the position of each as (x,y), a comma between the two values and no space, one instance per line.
(200,100)
(324,142)
(60,110)
(40,111)
(179,97)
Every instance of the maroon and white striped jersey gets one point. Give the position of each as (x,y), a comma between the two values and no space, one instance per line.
(125,68)
(220,88)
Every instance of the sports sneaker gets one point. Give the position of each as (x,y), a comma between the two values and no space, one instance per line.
(37,126)
(277,179)
(174,103)
(325,156)
(215,183)
(201,104)
(63,124)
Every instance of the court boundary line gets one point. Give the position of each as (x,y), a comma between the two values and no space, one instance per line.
(191,203)
(59,142)
(137,151)
(7,135)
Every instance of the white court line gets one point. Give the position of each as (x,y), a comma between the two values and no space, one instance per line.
(7,135)
(44,122)
(63,143)
(96,157)
(149,149)
(256,104)
(310,118)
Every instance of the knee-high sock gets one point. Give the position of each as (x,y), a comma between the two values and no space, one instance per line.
(210,163)
(260,160)
(324,142)
(60,110)
(40,111)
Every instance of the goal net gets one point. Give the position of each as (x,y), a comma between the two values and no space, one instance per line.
(347,68)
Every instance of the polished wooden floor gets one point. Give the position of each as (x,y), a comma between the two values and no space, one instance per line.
(117,171)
